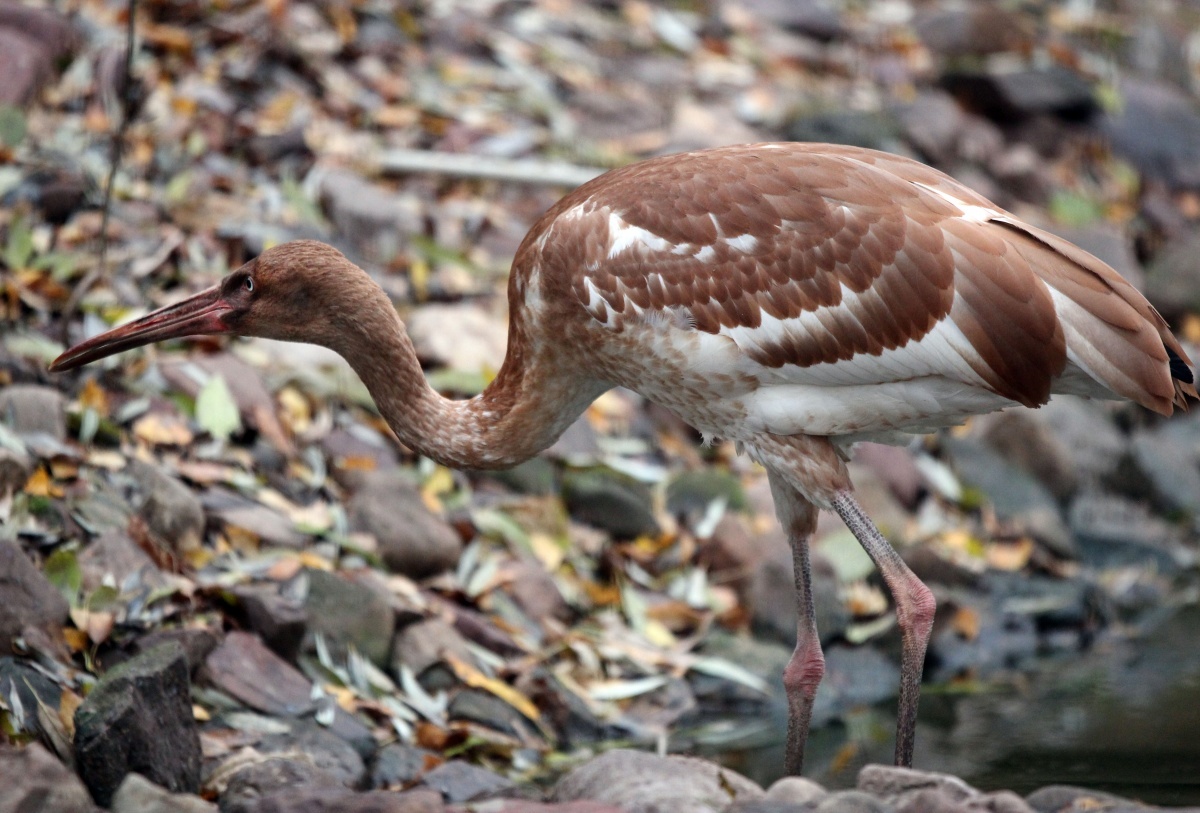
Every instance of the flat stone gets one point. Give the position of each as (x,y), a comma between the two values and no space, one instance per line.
(891,780)
(328,800)
(412,539)
(420,645)
(1025,439)
(247,671)
(263,778)
(368,215)
(27,599)
(327,751)
(1170,470)
(1087,434)
(267,524)
(113,555)
(929,800)
(611,502)
(279,620)
(256,405)
(25,65)
(1001,801)
(349,613)
(462,336)
(399,765)
(460,782)
(137,794)
(29,409)
(489,711)
(771,597)
(1070,799)
(171,510)
(1013,96)
(1155,129)
(35,781)
(536,593)
(1115,531)
(138,718)
(851,801)
(796,790)
(652,784)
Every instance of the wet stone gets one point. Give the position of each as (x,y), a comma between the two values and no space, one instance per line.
(611,502)
(171,510)
(327,751)
(137,794)
(654,784)
(412,539)
(460,782)
(349,613)
(399,764)
(29,409)
(34,780)
(27,599)
(138,718)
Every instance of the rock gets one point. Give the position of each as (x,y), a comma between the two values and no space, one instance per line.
(328,752)
(1154,128)
(280,620)
(171,510)
(262,779)
(933,123)
(137,794)
(855,676)
(420,645)
(27,599)
(731,554)
(528,806)
(15,467)
(328,800)
(795,790)
(463,337)
(36,782)
(114,556)
(893,465)
(764,658)
(1024,439)
(979,637)
(876,131)
(1114,531)
(399,765)
(349,613)
(21,683)
(891,780)
(1087,434)
(1001,801)
(1113,246)
(30,409)
(654,784)
(691,492)
(25,65)
(1173,280)
(772,594)
(412,539)
(611,502)
(53,32)
(247,671)
(1170,470)
(929,800)
(536,593)
(197,643)
(1016,496)
(460,782)
(973,31)
(1068,799)
(664,707)
(256,405)
(357,454)
(367,215)
(818,19)
(138,718)
(249,517)
(851,801)
(1013,96)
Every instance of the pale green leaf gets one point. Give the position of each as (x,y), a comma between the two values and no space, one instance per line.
(216,411)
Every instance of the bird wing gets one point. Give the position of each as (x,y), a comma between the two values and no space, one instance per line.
(840,266)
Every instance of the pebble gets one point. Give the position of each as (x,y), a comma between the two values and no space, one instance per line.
(115,558)
(171,510)
(27,599)
(34,780)
(400,764)
(421,645)
(412,539)
(137,794)
(458,782)
(611,502)
(263,778)
(795,790)
(29,409)
(327,752)
(280,620)
(349,614)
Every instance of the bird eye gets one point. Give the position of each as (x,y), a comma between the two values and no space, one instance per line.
(249,284)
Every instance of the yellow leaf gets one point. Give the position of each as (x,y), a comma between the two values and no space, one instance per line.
(312,560)
(471,676)
(106,459)
(67,706)
(966,623)
(200,714)
(1010,556)
(77,640)
(159,429)
(294,410)
(547,550)
(343,695)
(39,484)
(94,397)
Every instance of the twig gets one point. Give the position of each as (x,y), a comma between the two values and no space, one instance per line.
(461,165)
(115,152)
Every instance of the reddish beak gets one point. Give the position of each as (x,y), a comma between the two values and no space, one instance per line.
(199,315)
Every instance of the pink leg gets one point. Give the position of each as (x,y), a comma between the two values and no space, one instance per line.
(807,666)
(914,612)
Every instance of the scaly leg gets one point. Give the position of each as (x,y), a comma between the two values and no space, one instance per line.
(804,671)
(914,612)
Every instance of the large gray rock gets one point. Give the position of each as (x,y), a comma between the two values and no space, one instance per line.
(30,409)
(327,751)
(138,794)
(138,718)
(350,613)
(412,539)
(34,780)
(645,783)
(27,599)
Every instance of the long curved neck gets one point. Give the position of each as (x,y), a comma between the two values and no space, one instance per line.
(524,410)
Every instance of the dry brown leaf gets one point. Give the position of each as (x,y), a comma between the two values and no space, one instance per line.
(1010,556)
(162,429)
(966,623)
(93,396)
(40,484)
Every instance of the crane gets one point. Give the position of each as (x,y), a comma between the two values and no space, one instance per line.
(793,298)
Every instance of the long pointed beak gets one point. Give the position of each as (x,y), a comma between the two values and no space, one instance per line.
(200,315)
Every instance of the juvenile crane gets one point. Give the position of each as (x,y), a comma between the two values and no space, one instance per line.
(794,298)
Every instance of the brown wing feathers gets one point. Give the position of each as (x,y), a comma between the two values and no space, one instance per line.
(873,246)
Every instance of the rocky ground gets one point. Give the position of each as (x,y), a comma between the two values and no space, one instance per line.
(223,584)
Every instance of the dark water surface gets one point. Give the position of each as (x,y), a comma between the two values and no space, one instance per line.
(1122,718)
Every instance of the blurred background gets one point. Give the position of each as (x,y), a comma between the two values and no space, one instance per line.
(627,585)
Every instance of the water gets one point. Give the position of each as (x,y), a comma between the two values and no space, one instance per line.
(1123,718)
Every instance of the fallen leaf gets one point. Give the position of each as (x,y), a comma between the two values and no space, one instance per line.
(471,676)
(966,623)
(162,429)
(94,397)
(216,411)
(40,484)
(1010,556)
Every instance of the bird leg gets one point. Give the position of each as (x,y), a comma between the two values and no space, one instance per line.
(804,671)
(914,613)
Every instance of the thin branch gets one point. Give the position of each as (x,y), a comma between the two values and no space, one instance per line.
(462,165)
(115,152)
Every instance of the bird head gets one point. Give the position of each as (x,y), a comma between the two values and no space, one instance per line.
(291,292)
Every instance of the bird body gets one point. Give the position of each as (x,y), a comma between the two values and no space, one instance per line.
(794,298)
